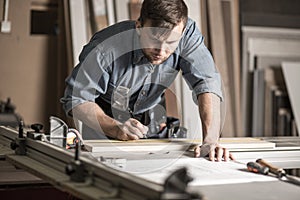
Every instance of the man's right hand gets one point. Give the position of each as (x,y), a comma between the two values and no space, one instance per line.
(93,116)
(132,129)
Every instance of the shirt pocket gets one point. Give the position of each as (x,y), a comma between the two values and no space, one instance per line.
(120,98)
(117,96)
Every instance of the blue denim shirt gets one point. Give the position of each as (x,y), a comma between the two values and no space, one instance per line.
(113,69)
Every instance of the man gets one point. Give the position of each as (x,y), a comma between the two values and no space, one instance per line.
(118,87)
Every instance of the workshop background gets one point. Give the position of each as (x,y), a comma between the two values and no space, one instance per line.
(40,41)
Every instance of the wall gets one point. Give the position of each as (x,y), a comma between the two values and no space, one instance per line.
(29,59)
(272,13)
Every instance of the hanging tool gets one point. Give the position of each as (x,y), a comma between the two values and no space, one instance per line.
(279,172)
(5,24)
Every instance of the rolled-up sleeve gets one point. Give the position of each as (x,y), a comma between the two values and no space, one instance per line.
(197,65)
(87,81)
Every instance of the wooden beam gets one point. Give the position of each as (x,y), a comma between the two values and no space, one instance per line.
(218,44)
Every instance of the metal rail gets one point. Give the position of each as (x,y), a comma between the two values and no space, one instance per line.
(49,162)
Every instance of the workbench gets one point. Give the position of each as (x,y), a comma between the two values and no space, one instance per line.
(138,169)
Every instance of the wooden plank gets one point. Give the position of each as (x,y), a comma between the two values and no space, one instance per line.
(270,87)
(258,103)
(110,12)
(291,71)
(273,79)
(218,45)
(134,9)
(249,33)
(230,26)
(153,145)
(230,15)
(122,10)
(235,34)
(271,48)
(204,22)
(68,35)
(78,27)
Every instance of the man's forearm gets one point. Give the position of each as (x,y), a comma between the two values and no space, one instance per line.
(93,116)
(209,110)
(210,113)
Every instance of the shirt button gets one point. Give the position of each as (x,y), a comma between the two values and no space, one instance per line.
(143,92)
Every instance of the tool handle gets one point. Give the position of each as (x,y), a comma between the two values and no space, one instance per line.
(6,5)
(293,179)
(275,170)
(257,168)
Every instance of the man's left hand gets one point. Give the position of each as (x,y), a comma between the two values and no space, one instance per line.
(215,152)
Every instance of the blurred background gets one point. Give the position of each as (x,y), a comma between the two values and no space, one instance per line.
(252,42)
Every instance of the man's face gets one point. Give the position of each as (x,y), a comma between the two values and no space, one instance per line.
(159,43)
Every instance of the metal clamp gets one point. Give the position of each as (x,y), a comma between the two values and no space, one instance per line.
(37,133)
(75,169)
(19,144)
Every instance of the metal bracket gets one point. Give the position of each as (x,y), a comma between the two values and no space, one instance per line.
(58,132)
(37,134)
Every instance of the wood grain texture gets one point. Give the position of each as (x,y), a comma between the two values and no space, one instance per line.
(218,45)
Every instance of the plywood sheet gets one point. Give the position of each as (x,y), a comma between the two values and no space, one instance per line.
(291,71)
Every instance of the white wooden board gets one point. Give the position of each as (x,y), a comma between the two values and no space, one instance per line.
(291,72)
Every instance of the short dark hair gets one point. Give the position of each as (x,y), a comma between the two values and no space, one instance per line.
(164,13)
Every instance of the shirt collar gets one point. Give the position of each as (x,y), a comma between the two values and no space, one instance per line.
(138,53)
(138,56)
